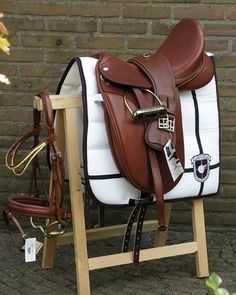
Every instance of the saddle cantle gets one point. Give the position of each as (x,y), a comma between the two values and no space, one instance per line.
(147,87)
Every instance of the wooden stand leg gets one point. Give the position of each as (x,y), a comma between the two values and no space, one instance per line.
(49,249)
(160,239)
(77,205)
(200,237)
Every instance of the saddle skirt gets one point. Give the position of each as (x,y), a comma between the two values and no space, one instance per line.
(100,173)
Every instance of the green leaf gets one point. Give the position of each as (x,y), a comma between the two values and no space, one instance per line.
(221,291)
(214,281)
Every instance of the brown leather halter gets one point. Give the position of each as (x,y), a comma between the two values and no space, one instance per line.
(49,207)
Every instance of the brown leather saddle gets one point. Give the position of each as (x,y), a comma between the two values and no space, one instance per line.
(142,107)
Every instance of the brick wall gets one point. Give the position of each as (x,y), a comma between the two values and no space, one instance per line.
(45,35)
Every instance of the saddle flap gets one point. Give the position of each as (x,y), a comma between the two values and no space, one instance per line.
(118,71)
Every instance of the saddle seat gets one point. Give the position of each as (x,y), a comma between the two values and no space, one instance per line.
(183,49)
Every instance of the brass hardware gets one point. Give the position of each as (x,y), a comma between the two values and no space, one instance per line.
(47,230)
(147,114)
(146,54)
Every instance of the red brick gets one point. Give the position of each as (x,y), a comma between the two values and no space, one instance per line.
(229,133)
(232,13)
(99,42)
(8,69)
(226,60)
(94,9)
(42,8)
(159,28)
(45,40)
(15,115)
(30,84)
(61,55)
(201,12)
(231,105)
(227,90)
(15,24)
(8,6)
(213,45)
(40,70)
(21,55)
(228,148)
(124,27)
(72,25)
(220,29)
(145,43)
(144,11)
(228,120)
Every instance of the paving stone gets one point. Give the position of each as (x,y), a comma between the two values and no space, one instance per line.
(167,276)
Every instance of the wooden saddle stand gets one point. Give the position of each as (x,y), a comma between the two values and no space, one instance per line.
(142,112)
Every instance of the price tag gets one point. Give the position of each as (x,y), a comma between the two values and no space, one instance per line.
(30,250)
(172,159)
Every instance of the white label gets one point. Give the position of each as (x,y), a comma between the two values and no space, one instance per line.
(39,246)
(30,249)
(174,164)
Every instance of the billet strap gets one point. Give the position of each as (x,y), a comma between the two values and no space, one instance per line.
(137,213)
(158,189)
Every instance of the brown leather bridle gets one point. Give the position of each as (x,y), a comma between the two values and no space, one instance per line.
(48,206)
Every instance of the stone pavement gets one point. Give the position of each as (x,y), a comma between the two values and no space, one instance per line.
(166,276)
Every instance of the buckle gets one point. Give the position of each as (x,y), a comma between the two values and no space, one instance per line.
(52,229)
(147,114)
(167,122)
(162,227)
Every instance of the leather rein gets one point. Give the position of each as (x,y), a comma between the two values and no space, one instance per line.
(49,206)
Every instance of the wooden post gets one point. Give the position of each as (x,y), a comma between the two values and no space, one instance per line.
(49,246)
(77,203)
(200,237)
(160,238)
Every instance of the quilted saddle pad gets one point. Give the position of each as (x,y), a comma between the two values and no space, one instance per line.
(200,120)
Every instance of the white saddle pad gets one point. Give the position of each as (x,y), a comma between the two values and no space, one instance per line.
(200,119)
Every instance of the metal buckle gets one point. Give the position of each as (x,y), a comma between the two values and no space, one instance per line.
(47,230)
(167,123)
(162,227)
(147,114)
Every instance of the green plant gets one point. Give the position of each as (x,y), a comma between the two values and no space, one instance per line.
(4,46)
(214,282)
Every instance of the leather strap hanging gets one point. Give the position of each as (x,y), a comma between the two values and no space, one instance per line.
(48,206)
